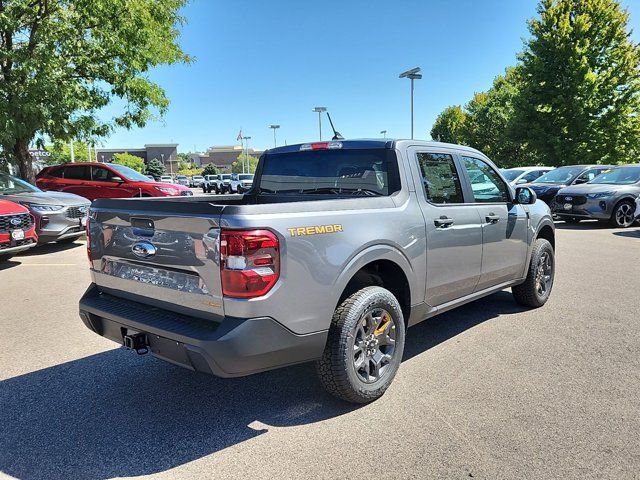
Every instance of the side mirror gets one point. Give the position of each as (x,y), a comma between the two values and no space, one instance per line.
(525,196)
(521,181)
(117,179)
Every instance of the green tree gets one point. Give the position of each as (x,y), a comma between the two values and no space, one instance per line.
(580,95)
(449,126)
(155,168)
(130,161)
(61,152)
(236,167)
(61,62)
(210,169)
(491,125)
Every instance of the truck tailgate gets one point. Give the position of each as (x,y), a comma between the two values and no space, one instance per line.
(162,252)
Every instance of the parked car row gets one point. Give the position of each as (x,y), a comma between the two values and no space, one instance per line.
(608,193)
(227,183)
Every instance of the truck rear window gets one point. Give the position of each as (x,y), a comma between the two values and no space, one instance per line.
(349,171)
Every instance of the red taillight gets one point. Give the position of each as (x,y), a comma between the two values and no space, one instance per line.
(249,262)
(321,146)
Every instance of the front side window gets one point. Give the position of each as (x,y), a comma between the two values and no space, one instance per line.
(531,176)
(100,174)
(486,184)
(440,178)
(589,175)
(512,174)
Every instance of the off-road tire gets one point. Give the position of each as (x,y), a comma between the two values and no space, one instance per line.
(336,369)
(527,293)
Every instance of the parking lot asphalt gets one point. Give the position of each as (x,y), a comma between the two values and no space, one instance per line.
(490,390)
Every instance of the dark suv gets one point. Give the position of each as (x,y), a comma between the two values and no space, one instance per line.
(105,180)
(549,184)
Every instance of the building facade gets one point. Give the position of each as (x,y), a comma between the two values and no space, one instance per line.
(164,152)
(222,156)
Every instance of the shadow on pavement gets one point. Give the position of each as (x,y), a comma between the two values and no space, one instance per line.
(116,414)
(628,233)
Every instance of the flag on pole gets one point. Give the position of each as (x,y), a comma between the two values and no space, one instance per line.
(239,137)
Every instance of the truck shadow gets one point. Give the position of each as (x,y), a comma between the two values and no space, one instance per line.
(116,414)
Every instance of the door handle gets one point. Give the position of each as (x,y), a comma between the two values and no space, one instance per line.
(443,222)
(492,218)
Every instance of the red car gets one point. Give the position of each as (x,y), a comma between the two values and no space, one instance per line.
(105,180)
(17,229)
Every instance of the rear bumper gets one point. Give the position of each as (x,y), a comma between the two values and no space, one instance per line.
(233,347)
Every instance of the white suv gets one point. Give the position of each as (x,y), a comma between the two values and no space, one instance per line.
(241,182)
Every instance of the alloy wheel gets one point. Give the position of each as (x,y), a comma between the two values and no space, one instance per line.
(544,274)
(374,345)
(624,215)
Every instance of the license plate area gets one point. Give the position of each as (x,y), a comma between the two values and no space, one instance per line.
(159,277)
(17,234)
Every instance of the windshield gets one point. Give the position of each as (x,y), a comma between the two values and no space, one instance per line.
(563,175)
(351,171)
(197,177)
(619,176)
(246,177)
(10,185)
(511,175)
(181,177)
(226,176)
(129,173)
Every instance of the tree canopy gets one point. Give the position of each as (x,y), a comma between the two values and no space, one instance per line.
(449,126)
(155,168)
(580,97)
(573,97)
(236,167)
(130,161)
(210,169)
(62,61)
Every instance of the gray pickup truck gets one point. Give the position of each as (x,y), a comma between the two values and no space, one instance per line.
(335,251)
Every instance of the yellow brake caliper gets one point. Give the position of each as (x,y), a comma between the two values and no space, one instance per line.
(386,321)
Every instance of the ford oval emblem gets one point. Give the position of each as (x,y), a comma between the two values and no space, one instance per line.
(143,249)
(15,221)
(568,199)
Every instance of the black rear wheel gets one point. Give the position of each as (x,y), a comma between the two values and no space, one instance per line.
(5,257)
(364,347)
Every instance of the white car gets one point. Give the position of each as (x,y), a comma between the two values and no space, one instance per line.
(210,184)
(196,181)
(166,179)
(520,175)
(241,182)
(638,208)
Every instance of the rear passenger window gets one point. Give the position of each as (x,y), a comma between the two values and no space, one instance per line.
(440,178)
(77,173)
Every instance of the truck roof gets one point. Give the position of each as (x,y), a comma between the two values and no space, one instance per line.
(370,143)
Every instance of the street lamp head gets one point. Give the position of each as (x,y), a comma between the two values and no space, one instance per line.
(413,71)
(319,109)
(383,132)
(274,126)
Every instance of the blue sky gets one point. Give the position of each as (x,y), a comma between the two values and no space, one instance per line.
(260,62)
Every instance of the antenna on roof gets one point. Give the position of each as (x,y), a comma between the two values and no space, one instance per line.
(336,134)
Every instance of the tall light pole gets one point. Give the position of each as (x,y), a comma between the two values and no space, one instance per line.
(319,111)
(246,155)
(383,133)
(274,127)
(413,74)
